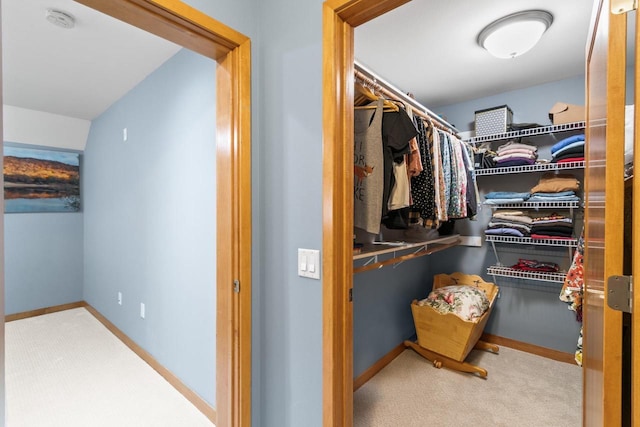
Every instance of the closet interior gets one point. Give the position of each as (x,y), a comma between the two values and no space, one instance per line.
(521,229)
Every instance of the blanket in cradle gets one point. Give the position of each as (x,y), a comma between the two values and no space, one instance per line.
(467,302)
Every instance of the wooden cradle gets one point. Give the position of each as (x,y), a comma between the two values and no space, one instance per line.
(446,339)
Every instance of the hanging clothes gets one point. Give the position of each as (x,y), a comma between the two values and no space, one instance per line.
(422,185)
(397,131)
(438,176)
(573,289)
(472,187)
(368,168)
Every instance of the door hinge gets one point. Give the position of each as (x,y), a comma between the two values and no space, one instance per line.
(350,294)
(623,6)
(236,286)
(620,293)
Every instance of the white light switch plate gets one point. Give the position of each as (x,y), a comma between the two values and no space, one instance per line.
(309,263)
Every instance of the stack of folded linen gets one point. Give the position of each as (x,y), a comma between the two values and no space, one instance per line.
(553,226)
(510,223)
(555,188)
(516,154)
(570,149)
(505,197)
(536,266)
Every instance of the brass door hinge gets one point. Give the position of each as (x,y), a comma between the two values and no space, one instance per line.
(236,286)
(623,6)
(620,293)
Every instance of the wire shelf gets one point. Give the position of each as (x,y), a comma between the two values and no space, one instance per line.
(527,132)
(496,270)
(530,168)
(537,205)
(564,243)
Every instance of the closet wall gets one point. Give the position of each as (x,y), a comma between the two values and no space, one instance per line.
(529,312)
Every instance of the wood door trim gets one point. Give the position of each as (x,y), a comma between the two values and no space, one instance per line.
(339,18)
(614,213)
(635,250)
(190,28)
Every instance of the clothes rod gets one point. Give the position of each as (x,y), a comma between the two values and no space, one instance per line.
(403,97)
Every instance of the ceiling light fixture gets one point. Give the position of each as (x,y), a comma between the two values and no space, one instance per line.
(515,34)
(60,19)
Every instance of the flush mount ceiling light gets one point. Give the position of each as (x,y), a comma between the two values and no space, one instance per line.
(515,34)
(60,19)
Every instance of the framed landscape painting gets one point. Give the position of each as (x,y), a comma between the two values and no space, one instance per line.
(38,180)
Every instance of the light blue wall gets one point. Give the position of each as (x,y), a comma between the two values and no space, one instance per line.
(290,170)
(150,217)
(381,309)
(529,105)
(287,203)
(43,260)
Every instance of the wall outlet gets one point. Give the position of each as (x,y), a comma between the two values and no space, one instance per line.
(142,310)
(119,298)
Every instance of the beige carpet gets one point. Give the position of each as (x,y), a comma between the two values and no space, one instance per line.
(66,369)
(521,390)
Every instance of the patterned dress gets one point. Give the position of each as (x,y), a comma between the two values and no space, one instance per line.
(422,189)
(573,288)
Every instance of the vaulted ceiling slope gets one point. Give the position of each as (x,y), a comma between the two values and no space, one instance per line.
(428,48)
(76,72)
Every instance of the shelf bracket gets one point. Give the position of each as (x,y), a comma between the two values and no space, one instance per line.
(371,260)
(495,252)
(417,251)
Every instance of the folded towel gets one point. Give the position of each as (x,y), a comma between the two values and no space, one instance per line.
(567,156)
(578,149)
(525,230)
(548,236)
(515,162)
(552,183)
(558,194)
(517,145)
(524,151)
(506,195)
(514,156)
(570,160)
(504,231)
(503,201)
(572,146)
(521,219)
(564,142)
(554,199)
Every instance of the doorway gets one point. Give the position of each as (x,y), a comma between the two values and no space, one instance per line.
(192,29)
(340,18)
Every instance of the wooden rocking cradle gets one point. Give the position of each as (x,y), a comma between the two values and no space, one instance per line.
(446,339)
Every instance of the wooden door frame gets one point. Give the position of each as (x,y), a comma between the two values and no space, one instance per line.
(339,18)
(194,30)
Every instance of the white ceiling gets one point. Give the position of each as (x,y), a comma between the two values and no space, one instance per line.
(77,72)
(428,48)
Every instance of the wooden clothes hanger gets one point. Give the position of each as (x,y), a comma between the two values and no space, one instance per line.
(366,95)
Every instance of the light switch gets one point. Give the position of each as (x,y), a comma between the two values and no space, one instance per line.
(309,263)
